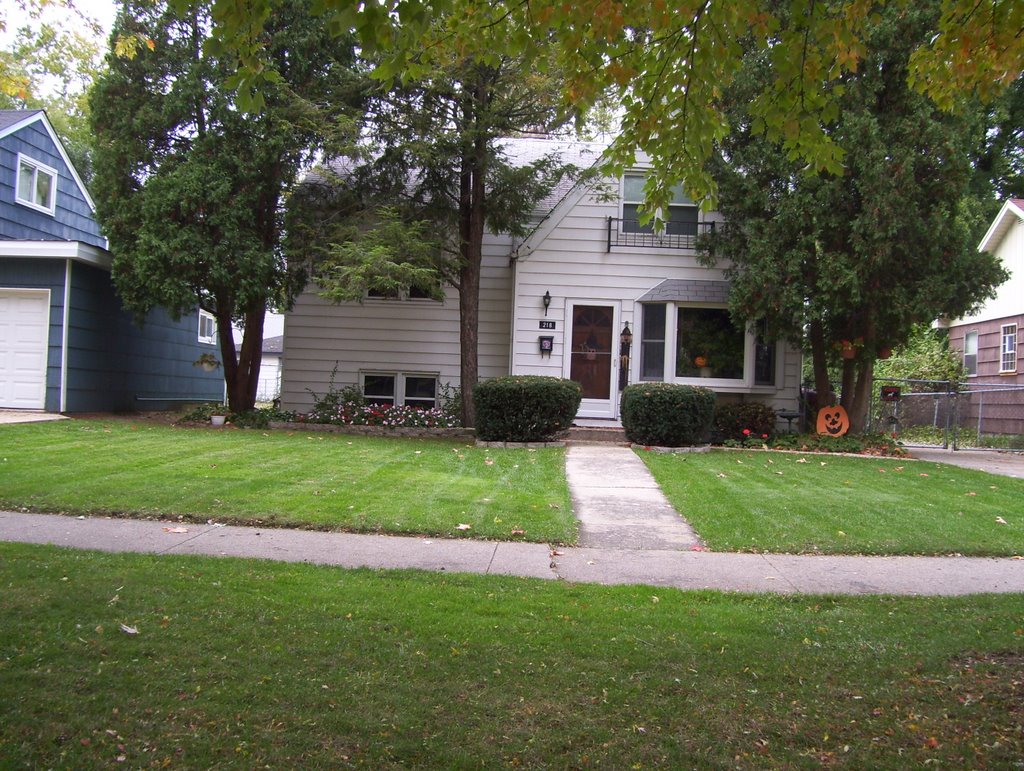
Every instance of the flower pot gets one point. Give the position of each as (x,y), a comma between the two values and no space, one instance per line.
(848,353)
(885,353)
(217,421)
(209,366)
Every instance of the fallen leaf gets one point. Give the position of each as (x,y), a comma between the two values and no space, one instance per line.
(129,629)
(553,506)
(971,494)
(823,463)
(488,462)
(463,526)
(175,529)
(1000,520)
(517,531)
(721,476)
(801,460)
(881,471)
(922,475)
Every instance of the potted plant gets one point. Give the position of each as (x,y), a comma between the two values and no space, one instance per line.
(207,362)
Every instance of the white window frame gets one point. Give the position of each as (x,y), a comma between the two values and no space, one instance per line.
(29,198)
(399,396)
(971,353)
(659,214)
(1007,349)
(210,339)
(745,384)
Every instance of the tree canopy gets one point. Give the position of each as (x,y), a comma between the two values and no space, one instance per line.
(189,188)
(668,62)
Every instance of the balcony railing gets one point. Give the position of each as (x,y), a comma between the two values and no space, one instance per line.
(676,235)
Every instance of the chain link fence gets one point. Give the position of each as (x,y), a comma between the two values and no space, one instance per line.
(946,414)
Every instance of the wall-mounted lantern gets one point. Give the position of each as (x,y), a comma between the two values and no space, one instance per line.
(546,299)
(625,343)
(547,345)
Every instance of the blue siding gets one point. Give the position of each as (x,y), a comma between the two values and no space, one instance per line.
(73,220)
(42,274)
(112,361)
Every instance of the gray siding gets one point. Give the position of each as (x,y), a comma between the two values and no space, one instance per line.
(73,220)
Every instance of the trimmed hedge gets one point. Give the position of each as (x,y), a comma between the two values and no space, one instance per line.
(524,408)
(667,415)
(732,419)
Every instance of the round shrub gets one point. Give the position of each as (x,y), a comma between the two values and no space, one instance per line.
(667,415)
(524,408)
(731,420)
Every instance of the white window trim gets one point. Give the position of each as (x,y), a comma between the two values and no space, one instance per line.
(1006,336)
(37,167)
(208,339)
(724,385)
(658,213)
(967,352)
(399,395)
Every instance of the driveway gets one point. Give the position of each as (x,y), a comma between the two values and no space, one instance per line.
(1007,464)
(28,416)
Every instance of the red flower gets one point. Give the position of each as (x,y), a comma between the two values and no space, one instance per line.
(746,432)
(764,436)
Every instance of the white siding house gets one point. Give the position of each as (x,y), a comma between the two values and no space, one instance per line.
(556,304)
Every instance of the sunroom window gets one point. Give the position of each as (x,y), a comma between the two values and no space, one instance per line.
(37,185)
(680,218)
(652,342)
(708,345)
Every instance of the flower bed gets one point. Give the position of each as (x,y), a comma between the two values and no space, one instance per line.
(389,415)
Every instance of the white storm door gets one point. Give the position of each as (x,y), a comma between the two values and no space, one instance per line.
(24,336)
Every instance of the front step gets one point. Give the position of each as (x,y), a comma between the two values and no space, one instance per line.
(597,435)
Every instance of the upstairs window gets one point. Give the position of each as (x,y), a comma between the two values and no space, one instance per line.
(680,219)
(971,353)
(1008,348)
(37,185)
(207,327)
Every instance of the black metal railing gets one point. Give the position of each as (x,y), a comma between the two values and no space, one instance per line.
(676,235)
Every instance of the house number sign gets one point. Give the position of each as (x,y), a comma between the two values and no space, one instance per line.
(547,325)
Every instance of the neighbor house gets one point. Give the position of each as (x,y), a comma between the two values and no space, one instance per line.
(989,340)
(562,302)
(66,343)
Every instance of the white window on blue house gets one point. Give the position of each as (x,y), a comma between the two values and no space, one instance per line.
(37,185)
(207,327)
(1008,348)
(413,390)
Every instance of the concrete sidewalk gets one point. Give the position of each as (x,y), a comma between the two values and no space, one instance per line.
(777,573)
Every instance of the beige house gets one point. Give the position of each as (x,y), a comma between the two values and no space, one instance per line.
(555,304)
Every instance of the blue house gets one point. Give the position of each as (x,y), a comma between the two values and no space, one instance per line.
(66,342)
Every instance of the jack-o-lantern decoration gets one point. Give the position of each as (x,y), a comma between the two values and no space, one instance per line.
(833,421)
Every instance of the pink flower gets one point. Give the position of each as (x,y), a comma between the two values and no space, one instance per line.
(746,432)
(764,436)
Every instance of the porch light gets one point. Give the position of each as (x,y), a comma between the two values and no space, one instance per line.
(626,338)
(546,299)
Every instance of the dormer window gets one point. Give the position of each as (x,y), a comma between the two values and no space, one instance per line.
(680,219)
(37,185)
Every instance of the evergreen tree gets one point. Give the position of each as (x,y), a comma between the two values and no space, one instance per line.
(854,260)
(432,179)
(189,188)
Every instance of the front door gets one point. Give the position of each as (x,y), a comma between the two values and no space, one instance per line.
(591,357)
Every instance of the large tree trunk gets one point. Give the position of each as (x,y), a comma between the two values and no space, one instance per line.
(242,367)
(861,401)
(819,363)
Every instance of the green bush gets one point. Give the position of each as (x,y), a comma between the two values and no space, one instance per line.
(667,415)
(524,408)
(754,418)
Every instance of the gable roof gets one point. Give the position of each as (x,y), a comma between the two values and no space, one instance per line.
(1012,211)
(12,121)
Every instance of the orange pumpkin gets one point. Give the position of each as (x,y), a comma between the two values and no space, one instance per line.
(833,421)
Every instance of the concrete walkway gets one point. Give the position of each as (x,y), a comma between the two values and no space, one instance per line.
(1002,462)
(777,573)
(618,503)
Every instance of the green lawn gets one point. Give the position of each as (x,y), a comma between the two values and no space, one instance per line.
(786,502)
(246,664)
(307,479)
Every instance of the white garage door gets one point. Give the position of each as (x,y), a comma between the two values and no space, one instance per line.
(24,331)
